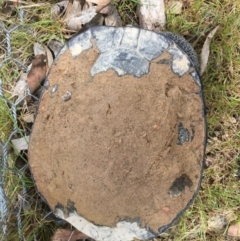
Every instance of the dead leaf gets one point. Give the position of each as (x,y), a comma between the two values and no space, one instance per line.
(97,20)
(205,50)
(68,235)
(20,88)
(175,7)
(55,46)
(76,6)
(151,14)
(234,230)
(20,144)
(39,49)
(37,73)
(59,9)
(113,18)
(209,161)
(49,56)
(106,10)
(81,15)
(28,117)
(233,120)
(77,20)
(218,222)
(73,8)
(100,3)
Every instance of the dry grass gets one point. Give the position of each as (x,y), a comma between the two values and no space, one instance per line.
(220,190)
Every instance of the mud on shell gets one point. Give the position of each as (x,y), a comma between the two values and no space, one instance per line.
(122,158)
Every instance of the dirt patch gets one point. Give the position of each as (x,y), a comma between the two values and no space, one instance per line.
(122,148)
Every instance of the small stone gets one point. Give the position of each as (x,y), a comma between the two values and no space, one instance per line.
(54,89)
(67,96)
(166,209)
(234,230)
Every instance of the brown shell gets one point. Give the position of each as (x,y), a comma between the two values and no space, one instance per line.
(122,156)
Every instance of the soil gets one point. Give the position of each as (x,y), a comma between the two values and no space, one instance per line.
(121,148)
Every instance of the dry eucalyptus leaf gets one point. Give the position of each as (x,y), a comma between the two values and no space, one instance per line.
(230,215)
(38,49)
(49,56)
(55,46)
(97,20)
(20,144)
(73,8)
(20,88)
(100,3)
(218,222)
(75,22)
(206,50)
(175,7)
(209,161)
(233,120)
(37,73)
(28,118)
(113,18)
(234,230)
(68,235)
(59,8)
(106,10)
(151,14)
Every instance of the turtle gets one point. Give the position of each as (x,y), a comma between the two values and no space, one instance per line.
(118,143)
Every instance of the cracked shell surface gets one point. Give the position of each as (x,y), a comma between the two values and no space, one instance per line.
(123,157)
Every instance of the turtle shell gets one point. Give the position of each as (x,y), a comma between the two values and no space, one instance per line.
(118,143)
